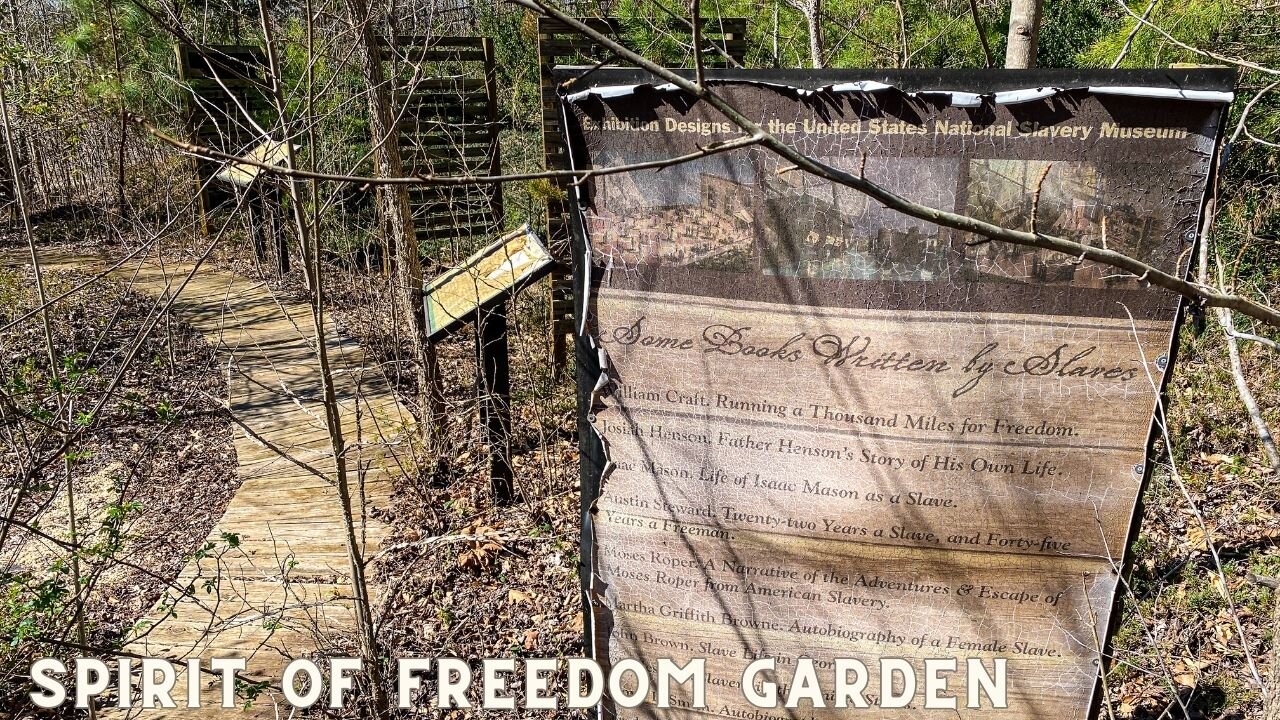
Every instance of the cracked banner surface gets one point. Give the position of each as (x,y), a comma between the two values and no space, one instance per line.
(816,427)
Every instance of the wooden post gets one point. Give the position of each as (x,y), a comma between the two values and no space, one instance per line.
(495,148)
(271,211)
(263,205)
(495,402)
(255,206)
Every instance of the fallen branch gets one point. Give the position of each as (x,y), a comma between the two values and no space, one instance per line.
(1242,388)
(1228,323)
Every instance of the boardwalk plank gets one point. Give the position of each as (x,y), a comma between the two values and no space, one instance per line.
(286,518)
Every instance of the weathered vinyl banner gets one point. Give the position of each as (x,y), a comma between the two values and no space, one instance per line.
(820,428)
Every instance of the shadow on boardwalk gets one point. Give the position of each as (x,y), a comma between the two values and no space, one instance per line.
(274,581)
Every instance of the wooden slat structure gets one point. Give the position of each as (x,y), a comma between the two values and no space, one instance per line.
(725,43)
(229,100)
(445,95)
(227,109)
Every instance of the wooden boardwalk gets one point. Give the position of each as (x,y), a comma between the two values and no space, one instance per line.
(284,587)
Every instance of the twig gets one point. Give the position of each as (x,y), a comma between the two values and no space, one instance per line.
(1228,323)
(1097,648)
(696,27)
(1254,338)
(717,47)
(902,34)
(982,34)
(1190,48)
(1271,697)
(1035,198)
(1128,41)
(1244,113)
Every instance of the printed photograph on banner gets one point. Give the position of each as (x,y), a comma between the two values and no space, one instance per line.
(814,228)
(703,217)
(1092,203)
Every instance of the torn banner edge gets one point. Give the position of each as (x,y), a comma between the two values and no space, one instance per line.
(587,530)
(956,98)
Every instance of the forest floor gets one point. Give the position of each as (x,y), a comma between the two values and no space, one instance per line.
(1178,645)
(151,476)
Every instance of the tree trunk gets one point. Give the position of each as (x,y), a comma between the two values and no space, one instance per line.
(370,651)
(813,16)
(397,221)
(1024,34)
(122,198)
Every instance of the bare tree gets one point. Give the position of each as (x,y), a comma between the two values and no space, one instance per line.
(812,12)
(397,222)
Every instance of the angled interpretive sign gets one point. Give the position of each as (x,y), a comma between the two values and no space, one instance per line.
(490,275)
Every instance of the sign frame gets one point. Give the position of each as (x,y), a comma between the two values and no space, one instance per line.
(533,272)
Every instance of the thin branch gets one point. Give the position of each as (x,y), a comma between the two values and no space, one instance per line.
(1035,199)
(1216,56)
(982,34)
(1244,113)
(209,153)
(1228,323)
(1254,338)
(902,35)
(1242,388)
(718,48)
(1206,296)
(699,65)
(1128,41)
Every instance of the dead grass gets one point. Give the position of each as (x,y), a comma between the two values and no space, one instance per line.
(1178,641)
